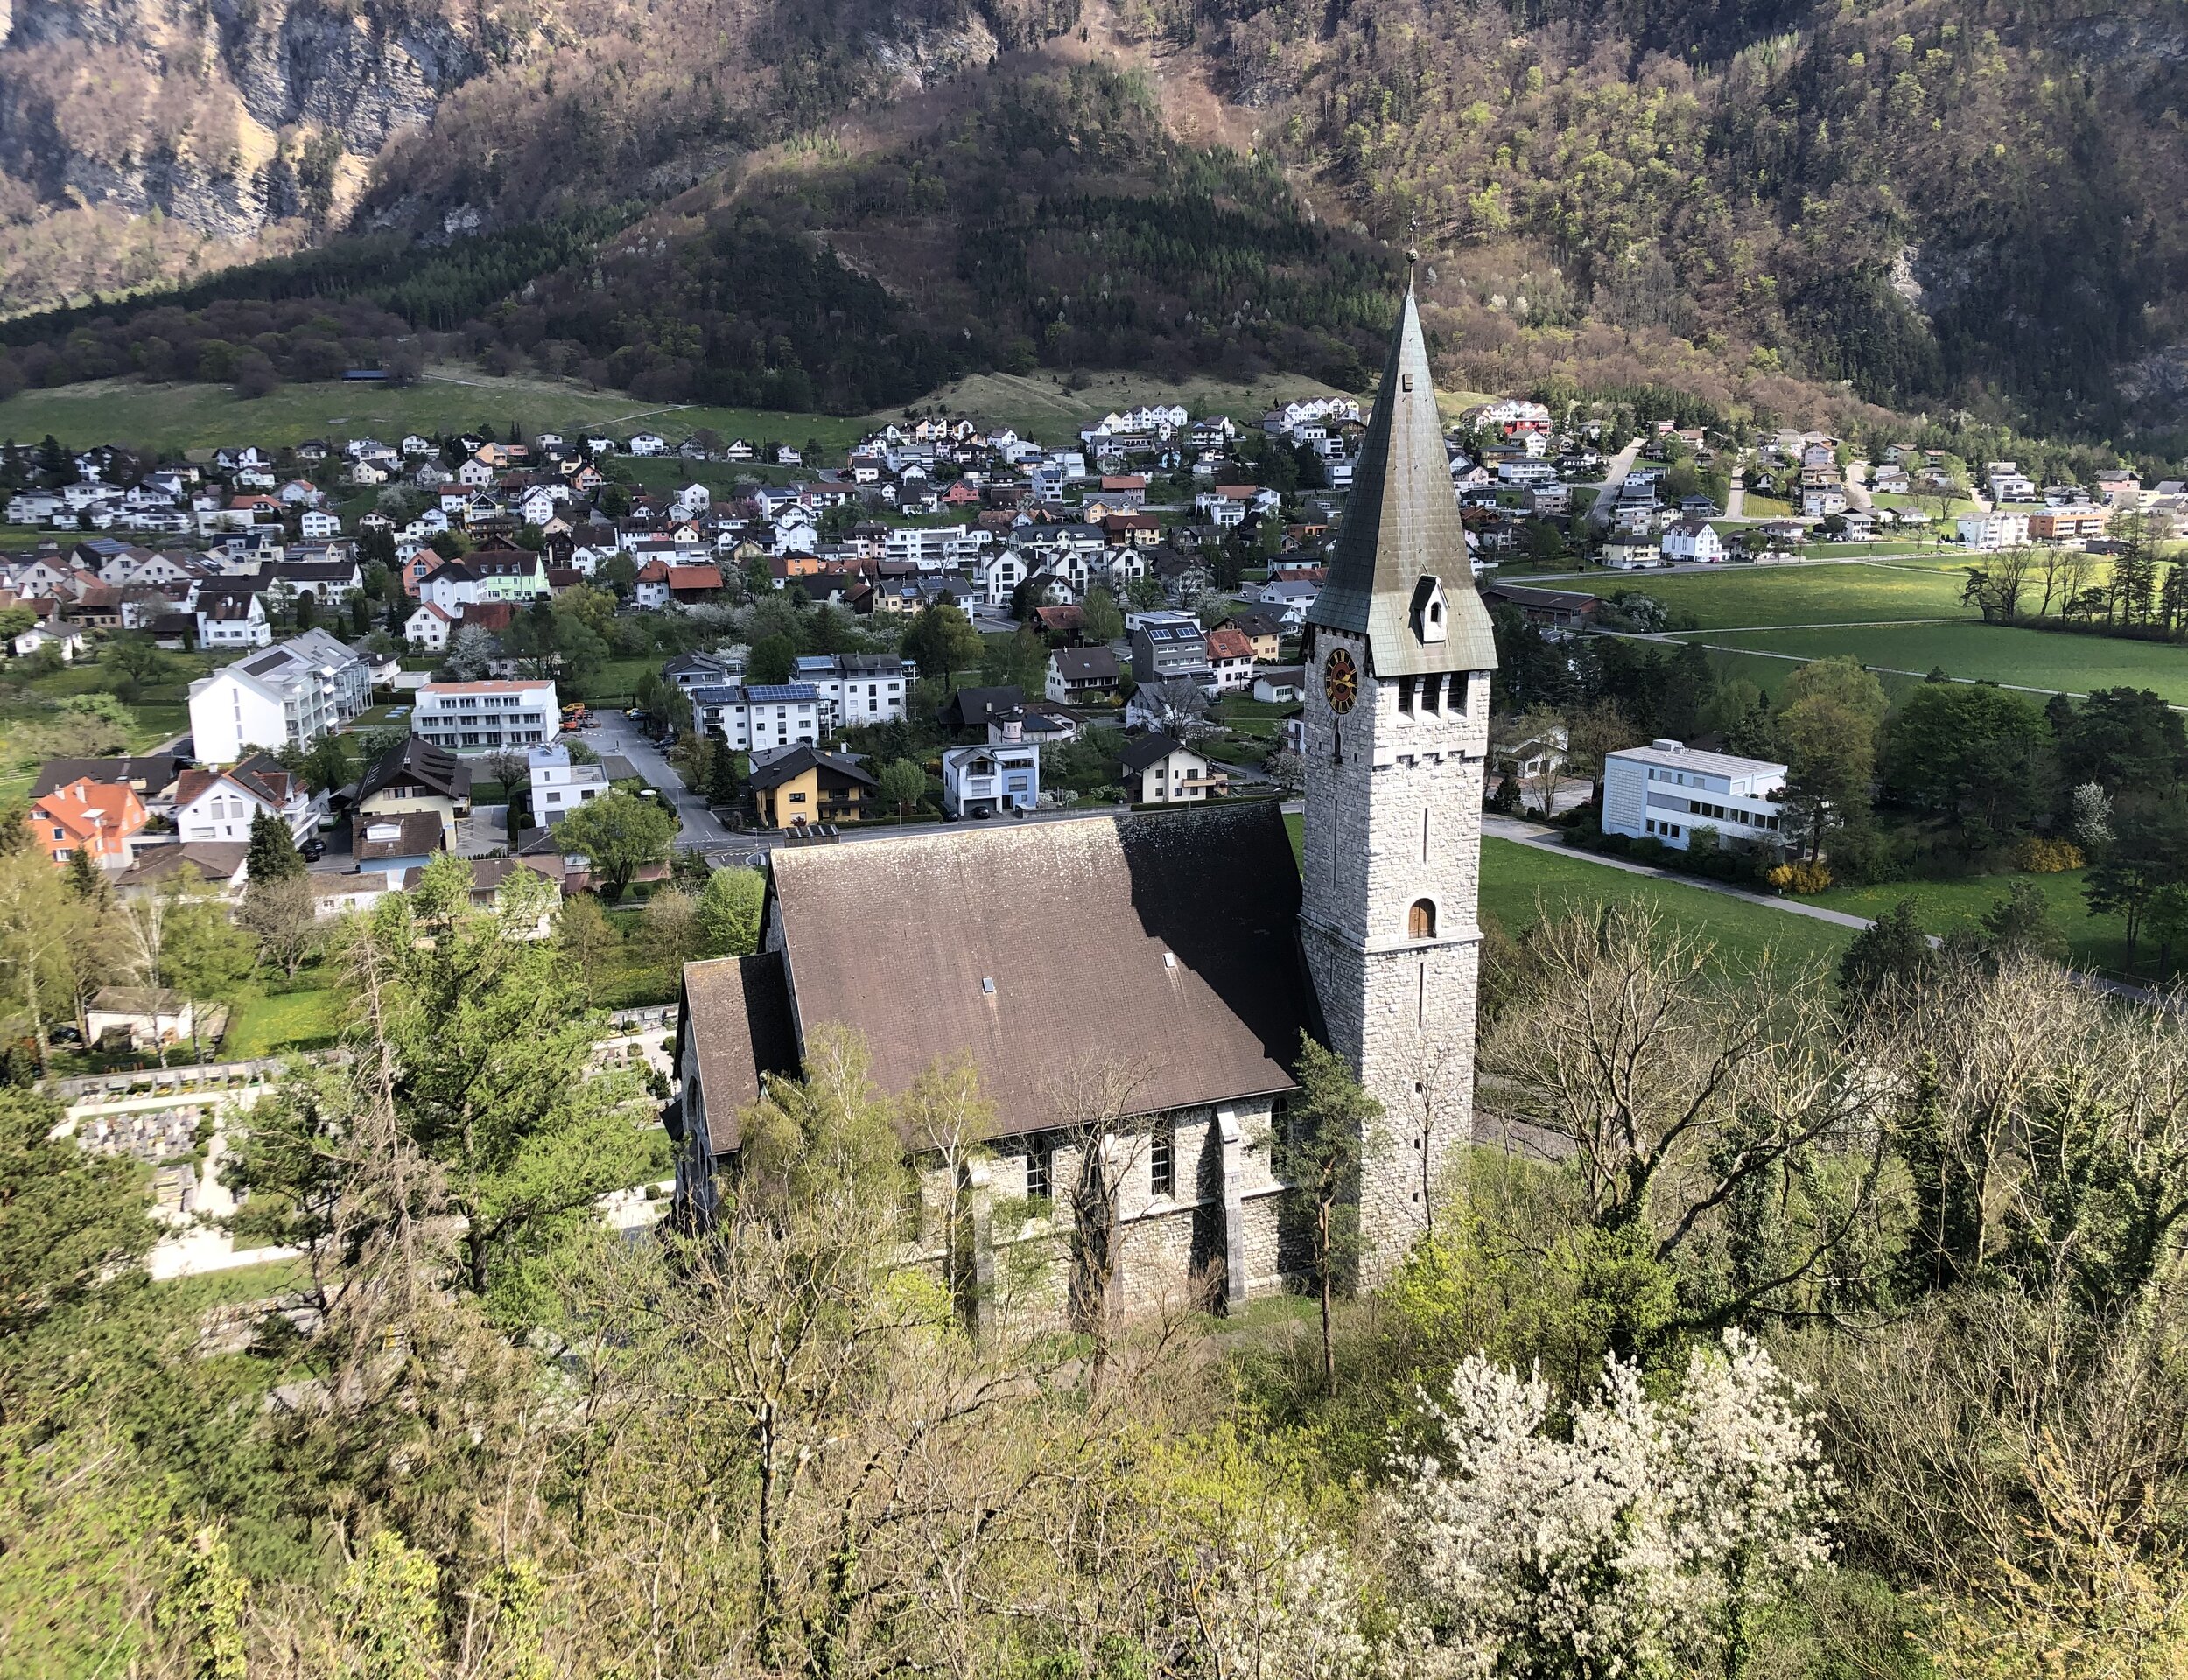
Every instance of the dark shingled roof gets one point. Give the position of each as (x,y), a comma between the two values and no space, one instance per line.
(1145,750)
(416,761)
(1163,943)
(736,1017)
(1402,524)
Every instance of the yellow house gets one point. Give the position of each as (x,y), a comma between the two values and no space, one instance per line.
(803,785)
(417,776)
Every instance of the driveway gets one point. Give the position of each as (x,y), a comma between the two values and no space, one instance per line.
(701,831)
(1607,498)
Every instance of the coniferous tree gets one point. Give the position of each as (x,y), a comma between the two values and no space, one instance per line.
(273,855)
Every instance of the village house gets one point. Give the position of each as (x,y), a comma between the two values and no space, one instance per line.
(220,804)
(416,775)
(801,784)
(100,819)
(1084,675)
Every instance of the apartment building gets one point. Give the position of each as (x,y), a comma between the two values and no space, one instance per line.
(485,716)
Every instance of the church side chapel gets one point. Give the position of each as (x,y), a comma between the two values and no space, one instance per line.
(1136,986)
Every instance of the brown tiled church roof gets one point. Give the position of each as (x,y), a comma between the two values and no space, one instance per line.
(1160,944)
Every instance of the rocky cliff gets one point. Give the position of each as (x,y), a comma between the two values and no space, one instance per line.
(223,115)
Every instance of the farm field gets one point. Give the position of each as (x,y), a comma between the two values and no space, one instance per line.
(1827,592)
(1974,651)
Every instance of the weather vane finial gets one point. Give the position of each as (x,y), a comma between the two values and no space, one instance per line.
(1412,251)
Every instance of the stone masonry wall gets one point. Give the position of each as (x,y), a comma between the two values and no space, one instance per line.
(1392,818)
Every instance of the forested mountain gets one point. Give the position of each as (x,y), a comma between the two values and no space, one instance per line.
(1787,208)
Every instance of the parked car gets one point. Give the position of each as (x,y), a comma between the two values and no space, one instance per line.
(313,850)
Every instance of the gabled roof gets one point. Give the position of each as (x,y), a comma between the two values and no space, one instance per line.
(217,861)
(789,765)
(1149,749)
(1224,642)
(412,834)
(417,762)
(260,775)
(1402,523)
(154,774)
(1086,664)
(1161,945)
(737,1018)
(88,810)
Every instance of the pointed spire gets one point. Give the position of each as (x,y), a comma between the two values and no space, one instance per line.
(1401,526)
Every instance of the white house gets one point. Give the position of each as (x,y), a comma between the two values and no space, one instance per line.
(1992,531)
(1159,771)
(232,618)
(999,572)
(428,627)
(647,443)
(63,638)
(1667,790)
(994,776)
(220,804)
(1695,541)
(316,527)
(856,688)
(289,695)
(559,787)
(758,716)
(483,716)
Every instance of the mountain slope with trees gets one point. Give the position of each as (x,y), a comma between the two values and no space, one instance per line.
(1775,208)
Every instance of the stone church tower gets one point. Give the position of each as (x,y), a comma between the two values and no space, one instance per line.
(1398,653)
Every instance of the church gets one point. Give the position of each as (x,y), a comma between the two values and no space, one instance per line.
(1132,988)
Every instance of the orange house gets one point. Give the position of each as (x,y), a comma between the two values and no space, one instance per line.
(98,817)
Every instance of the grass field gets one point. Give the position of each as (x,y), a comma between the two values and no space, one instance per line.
(204,416)
(2033,659)
(208,1290)
(269,1025)
(2094,943)
(1519,883)
(1769,675)
(452,399)
(1823,594)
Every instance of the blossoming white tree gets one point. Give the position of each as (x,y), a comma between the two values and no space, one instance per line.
(1645,1543)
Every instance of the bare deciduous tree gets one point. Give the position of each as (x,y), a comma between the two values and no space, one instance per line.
(1675,1087)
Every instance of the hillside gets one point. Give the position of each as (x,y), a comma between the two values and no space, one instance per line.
(1804,211)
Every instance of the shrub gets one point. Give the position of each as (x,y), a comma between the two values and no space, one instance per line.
(2038,855)
(1800,877)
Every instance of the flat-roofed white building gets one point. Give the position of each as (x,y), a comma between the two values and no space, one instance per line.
(483,716)
(1667,790)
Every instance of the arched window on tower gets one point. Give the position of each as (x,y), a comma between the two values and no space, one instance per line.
(1420,921)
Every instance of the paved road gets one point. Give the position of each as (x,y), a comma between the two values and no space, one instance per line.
(1736,496)
(701,831)
(1607,498)
(1857,485)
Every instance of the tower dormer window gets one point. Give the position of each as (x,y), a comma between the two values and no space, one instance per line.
(1427,613)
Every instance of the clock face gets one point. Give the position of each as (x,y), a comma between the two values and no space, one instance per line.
(1341,682)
